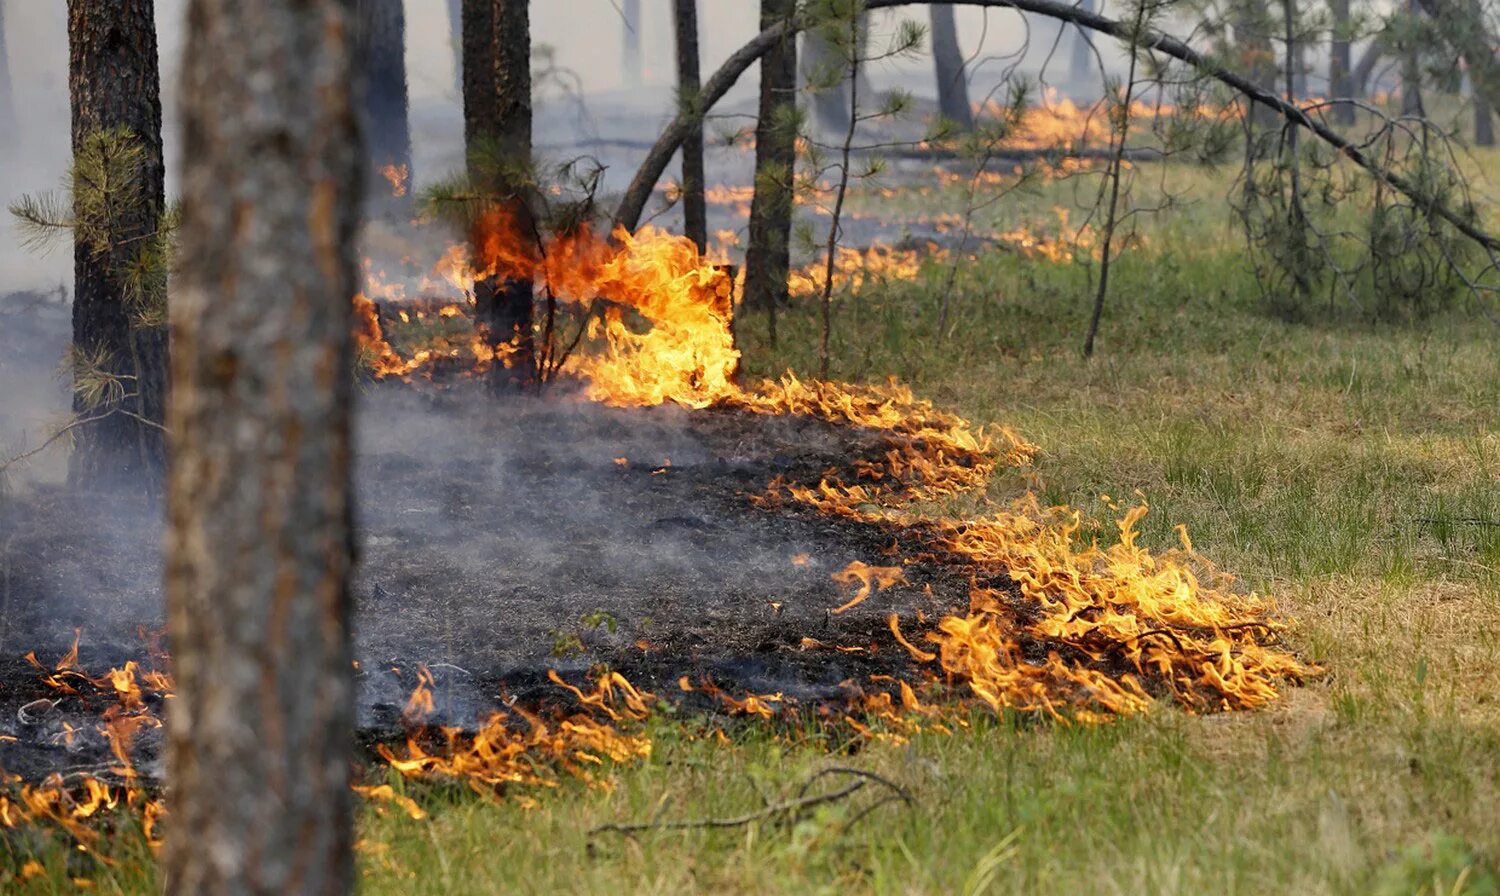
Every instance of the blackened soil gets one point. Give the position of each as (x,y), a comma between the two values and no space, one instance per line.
(499,540)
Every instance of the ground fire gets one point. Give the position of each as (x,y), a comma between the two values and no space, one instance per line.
(1010,609)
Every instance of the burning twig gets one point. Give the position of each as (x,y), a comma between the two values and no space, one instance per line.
(786,811)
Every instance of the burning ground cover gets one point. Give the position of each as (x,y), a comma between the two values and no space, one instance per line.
(536,574)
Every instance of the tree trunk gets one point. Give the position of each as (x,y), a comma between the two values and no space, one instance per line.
(387,128)
(767,257)
(948,59)
(1364,69)
(826,67)
(630,60)
(497,137)
(1340,64)
(1252,34)
(1082,61)
(1474,41)
(1484,122)
(456,38)
(114,83)
(694,205)
(7,98)
(1411,73)
(258,539)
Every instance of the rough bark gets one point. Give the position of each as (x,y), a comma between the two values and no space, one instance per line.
(628,213)
(694,205)
(258,539)
(767,257)
(630,59)
(497,136)
(7,97)
(1340,63)
(948,60)
(386,122)
(114,83)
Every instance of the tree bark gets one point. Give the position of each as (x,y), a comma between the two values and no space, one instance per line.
(633,203)
(630,59)
(456,38)
(1411,73)
(114,83)
(1340,64)
(694,205)
(1364,69)
(258,539)
(768,255)
(1484,122)
(497,137)
(948,60)
(386,121)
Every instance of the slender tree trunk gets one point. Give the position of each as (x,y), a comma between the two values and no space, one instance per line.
(1484,122)
(827,68)
(386,123)
(694,205)
(1081,62)
(1340,63)
(948,59)
(7,97)
(114,83)
(1364,69)
(768,258)
(456,38)
(630,11)
(497,134)
(258,539)
(1411,73)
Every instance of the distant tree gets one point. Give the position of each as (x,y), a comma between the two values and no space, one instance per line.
(1081,61)
(694,206)
(7,98)
(456,38)
(1340,63)
(119,353)
(497,136)
(382,54)
(1462,24)
(630,60)
(1410,48)
(258,536)
(768,255)
(823,68)
(948,59)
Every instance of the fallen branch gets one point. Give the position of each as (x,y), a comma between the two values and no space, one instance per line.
(633,203)
(784,811)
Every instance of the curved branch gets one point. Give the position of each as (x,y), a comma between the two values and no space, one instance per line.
(636,195)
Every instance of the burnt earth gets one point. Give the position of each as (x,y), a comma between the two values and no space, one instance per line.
(500,540)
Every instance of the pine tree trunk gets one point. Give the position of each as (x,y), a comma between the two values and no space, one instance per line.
(630,12)
(823,62)
(7,97)
(456,37)
(767,257)
(1081,61)
(386,123)
(258,542)
(1340,63)
(694,205)
(114,83)
(1411,74)
(497,127)
(1484,122)
(948,59)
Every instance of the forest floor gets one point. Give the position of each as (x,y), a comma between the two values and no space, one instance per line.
(1347,468)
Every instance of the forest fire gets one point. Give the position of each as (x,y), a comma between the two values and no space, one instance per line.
(1051,624)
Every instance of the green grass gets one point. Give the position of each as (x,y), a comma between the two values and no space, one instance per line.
(1349,469)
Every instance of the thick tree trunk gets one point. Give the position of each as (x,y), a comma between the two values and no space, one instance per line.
(1081,63)
(948,60)
(497,135)
(386,123)
(114,83)
(768,256)
(7,97)
(258,539)
(694,205)
(1340,64)
(630,59)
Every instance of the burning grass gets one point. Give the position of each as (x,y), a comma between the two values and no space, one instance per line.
(1053,623)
